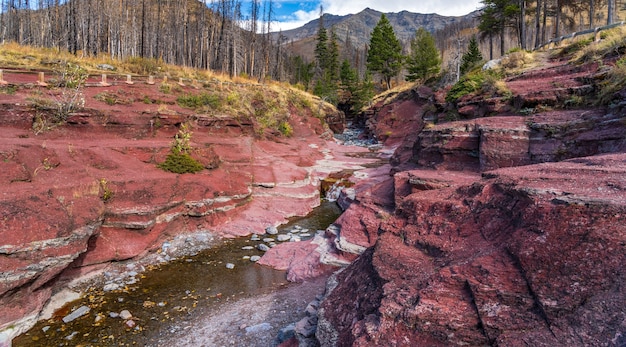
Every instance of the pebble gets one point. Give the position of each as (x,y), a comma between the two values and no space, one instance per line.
(283,238)
(295,239)
(255,237)
(125,314)
(255,258)
(271,230)
(230,265)
(268,239)
(247,248)
(71,336)
(111,287)
(130,323)
(262,247)
(114,314)
(79,312)
(45,329)
(305,235)
(246,257)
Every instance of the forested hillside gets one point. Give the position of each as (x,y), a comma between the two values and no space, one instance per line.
(237,38)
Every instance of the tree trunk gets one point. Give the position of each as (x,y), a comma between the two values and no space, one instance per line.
(538,24)
(523,24)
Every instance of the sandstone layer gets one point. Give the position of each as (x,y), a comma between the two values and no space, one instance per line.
(497,228)
(87,193)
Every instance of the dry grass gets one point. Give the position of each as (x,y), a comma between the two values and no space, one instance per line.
(612,42)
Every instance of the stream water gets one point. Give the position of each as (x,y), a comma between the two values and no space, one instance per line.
(170,293)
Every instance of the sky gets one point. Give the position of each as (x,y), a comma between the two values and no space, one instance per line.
(290,14)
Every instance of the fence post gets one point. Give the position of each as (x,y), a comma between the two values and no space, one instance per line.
(129,80)
(41,80)
(104,81)
(2,81)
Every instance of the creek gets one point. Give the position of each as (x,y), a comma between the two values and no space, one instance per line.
(165,295)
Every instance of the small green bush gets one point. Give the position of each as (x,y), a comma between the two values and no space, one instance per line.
(180,163)
(285,128)
(196,101)
(468,84)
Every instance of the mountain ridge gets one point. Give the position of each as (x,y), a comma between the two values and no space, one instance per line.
(356,28)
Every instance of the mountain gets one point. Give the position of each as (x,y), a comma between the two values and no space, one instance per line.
(356,28)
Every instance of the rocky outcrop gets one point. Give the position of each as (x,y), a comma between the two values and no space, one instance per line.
(505,229)
(489,143)
(87,193)
(529,255)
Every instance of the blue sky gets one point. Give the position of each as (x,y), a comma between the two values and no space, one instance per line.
(291,14)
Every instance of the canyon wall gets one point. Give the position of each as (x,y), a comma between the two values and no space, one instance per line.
(497,228)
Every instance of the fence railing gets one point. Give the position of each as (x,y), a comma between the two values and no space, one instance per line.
(41,78)
(596,31)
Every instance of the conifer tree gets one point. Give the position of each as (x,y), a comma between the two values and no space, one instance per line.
(424,61)
(472,57)
(385,51)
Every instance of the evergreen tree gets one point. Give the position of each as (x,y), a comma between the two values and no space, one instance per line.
(364,92)
(472,57)
(424,61)
(321,48)
(385,51)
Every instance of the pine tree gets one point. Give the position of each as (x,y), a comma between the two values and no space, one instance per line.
(424,61)
(385,51)
(472,57)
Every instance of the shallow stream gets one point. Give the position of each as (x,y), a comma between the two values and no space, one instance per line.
(171,293)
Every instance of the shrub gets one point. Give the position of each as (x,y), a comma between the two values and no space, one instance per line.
(285,128)
(196,101)
(178,160)
(180,163)
(468,84)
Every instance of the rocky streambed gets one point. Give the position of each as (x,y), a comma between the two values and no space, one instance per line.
(149,304)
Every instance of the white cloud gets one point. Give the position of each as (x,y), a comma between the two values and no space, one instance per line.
(344,7)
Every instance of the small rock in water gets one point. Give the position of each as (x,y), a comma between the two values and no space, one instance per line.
(247,248)
(305,235)
(130,323)
(255,258)
(246,257)
(111,287)
(114,314)
(71,336)
(263,247)
(271,230)
(295,239)
(268,239)
(230,265)
(79,312)
(297,227)
(272,244)
(255,237)
(283,238)
(125,314)
(45,329)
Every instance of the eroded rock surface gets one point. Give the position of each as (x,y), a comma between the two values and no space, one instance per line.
(498,229)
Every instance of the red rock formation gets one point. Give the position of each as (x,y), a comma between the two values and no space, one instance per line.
(498,237)
(531,255)
(89,192)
